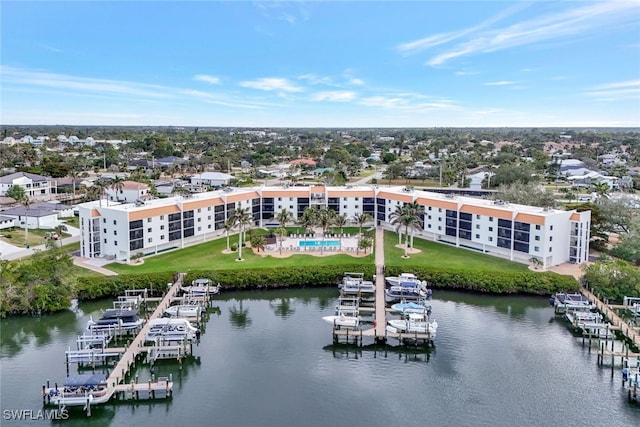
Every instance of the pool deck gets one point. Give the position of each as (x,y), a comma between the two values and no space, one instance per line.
(297,245)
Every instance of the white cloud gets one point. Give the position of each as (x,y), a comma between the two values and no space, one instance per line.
(334,96)
(271,83)
(616,91)
(356,81)
(466,73)
(571,22)
(81,84)
(207,78)
(499,83)
(442,38)
(316,79)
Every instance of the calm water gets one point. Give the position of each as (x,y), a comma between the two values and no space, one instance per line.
(267,359)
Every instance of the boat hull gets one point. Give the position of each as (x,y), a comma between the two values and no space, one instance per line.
(342,321)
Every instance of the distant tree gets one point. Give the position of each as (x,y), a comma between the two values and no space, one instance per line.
(602,189)
(525,194)
(388,158)
(510,173)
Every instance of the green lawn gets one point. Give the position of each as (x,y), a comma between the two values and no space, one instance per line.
(443,255)
(209,256)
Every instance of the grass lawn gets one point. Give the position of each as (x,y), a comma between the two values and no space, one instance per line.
(72,221)
(209,256)
(444,255)
(15,236)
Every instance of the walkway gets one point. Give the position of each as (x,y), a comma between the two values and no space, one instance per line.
(381,312)
(85,263)
(613,317)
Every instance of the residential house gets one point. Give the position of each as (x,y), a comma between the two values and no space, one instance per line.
(35,186)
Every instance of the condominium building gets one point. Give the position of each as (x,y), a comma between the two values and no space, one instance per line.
(515,232)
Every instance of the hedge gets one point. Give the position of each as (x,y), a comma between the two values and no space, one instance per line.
(487,281)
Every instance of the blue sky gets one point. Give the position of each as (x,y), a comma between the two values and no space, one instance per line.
(321,64)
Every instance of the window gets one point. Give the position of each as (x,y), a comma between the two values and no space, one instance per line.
(344,206)
(209,218)
(115,232)
(356,199)
(104,230)
(477,236)
(161,217)
(537,238)
(550,248)
(199,210)
(162,237)
(551,227)
(357,207)
(148,219)
(199,228)
(105,241)
(429,207)
(477,226)
(551,238)
(114,222)
(150,240)
(429,216)
(477,216)
(104,220)
(279,199)
(199,219)
(209,209)
(428,225)
(291,199)
(536,249)
(149,230)
(490,239)
(162,227)
(439,209)
(209,226)
(440,218)
(490,228)
(490,219)
(115,243)
(537,227)
(439,228)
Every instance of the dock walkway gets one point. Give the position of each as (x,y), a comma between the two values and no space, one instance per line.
(616,321)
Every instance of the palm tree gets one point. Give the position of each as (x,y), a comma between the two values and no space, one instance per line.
(281,232)
(308,220)
(601,189)
(365,243)
(361,219)
(407,216)
(59,229)
(283,217)
(228,226)
(239,317)
(100,186)
(26,203)
(117,185)
(340,221)
(73,174)
(241,218)
(258,242)
(325,220)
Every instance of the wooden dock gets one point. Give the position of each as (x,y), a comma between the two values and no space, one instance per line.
(136,347)
(631,331)
(380,325)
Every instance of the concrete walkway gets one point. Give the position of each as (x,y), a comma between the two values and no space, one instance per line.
(83,262)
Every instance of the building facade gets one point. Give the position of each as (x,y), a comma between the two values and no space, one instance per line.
(35,186)
(515,232)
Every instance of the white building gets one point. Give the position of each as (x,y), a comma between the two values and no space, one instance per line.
(35,186)
(515,232)
(130,192)
(211,179)
(39,215)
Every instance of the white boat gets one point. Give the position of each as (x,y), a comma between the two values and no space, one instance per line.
(184,310)
(354,283)
(405,291)
(402,278)
(201,287)
(80,390)
(115,318)
(573,301)
(171,329)
(346,303)
(419,307)
(413,323)
(345,319)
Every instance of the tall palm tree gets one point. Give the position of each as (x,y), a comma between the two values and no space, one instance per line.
(26,202)
(308,220)
(59,229)
(325,220)
(117,185)
(241,218)
(100,186)
(228,226)
(361,219)
(601,189)
(406,216)
(340,221)
(283,217)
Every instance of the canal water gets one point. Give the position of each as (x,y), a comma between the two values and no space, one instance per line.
(267,359)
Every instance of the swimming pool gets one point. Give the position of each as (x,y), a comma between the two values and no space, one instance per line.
(318,243)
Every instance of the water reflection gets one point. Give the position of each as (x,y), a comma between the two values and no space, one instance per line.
(402,352)
(239,317)
(282,307)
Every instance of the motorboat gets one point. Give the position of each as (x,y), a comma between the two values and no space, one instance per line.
(406,307)
(350,277)
(402,278)
(413,323)
(184,310)
(571,301)
(405,291)
(116,318)
(80,390)
(201,287)
(358,287)
(344,319)
(171,329)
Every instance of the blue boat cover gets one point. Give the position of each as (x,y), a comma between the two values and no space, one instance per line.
(408,284)
(86,380)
